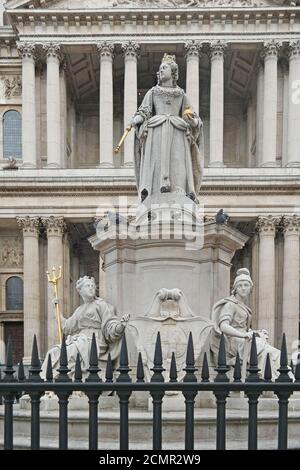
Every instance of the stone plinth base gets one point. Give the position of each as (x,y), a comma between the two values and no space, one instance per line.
(49,402)
(167,247)
(140,429)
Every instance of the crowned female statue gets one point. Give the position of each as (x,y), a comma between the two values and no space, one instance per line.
(169,138)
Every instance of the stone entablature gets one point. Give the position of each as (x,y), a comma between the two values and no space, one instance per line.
(125,4)
(202,20)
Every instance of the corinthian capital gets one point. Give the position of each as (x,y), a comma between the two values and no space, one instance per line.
(54,225)
(217,49)
(267,224)
(130,48)
(29,225)
(53,49)
(270,49)
(192,48)
(294,49)
(26,50)
(105,49)
(291,225)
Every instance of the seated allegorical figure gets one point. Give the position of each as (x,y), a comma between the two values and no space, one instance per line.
(93,316)
(232,317)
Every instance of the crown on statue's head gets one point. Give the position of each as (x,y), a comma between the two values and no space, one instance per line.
(168,58)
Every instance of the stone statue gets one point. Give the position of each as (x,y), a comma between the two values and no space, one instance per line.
(93,316)
(232,317)
(169,138)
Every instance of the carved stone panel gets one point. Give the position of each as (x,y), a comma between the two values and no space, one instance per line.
(11,252)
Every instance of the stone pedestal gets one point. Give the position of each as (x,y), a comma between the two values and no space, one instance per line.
(142,258)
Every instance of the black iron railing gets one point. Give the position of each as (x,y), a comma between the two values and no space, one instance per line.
(123,386)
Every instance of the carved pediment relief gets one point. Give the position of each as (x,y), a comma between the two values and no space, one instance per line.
(128,4)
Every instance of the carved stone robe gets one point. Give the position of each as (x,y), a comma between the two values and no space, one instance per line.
(92,317)
(168,150)
(239,317)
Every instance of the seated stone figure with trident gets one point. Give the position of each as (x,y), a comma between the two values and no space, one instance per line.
(93,316)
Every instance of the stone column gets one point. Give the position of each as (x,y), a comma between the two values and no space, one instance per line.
(130,96)
(266,227)
(270,55)
(31,272)
(259,111)
(192,73)
(105,50)
(285,111)
(53,106)
(290,304)
(216,103)
(293,153)
(55,227)
(2,344)
(249,125)
(27,52)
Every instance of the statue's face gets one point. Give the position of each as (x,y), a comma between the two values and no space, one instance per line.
(88,290)
(165,72)
(243,288)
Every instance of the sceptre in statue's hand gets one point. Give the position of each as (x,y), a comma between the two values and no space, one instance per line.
(53,279)
(126,132)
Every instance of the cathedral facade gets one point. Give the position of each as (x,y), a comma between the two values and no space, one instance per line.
(72,74)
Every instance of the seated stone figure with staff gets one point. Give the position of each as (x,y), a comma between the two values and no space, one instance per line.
(232,317)
(93,316)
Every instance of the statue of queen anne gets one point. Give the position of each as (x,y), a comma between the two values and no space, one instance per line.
(169,138)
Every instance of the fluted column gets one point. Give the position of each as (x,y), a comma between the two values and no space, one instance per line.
(293,152)
(130,49)
(285,110)
(54,157)
(27,52)
(266,227)
(192,73)
(290,304)
(105,50)
(31,272)
(270,55)
(217,49)
(259,111)
(55,227)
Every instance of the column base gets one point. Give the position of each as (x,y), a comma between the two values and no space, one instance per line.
(27,360)
(293,165)
(105,165)
(216,165)
(270,165)
(52,166)
(129,165)
(28,165)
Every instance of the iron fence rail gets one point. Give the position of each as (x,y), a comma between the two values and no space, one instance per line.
(253,386)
